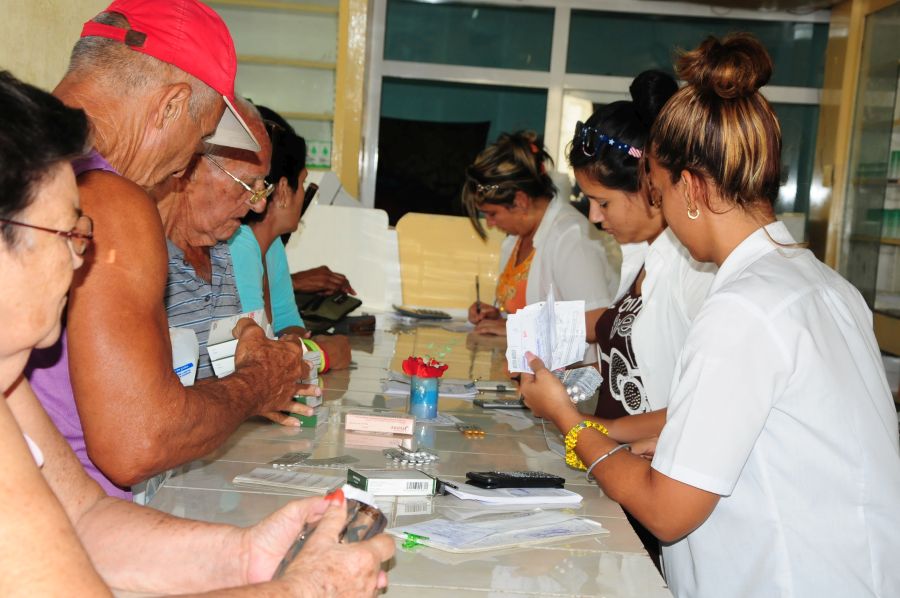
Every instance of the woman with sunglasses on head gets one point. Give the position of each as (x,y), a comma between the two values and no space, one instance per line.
(549,241)
(661,289)
(777,472)
(266,283)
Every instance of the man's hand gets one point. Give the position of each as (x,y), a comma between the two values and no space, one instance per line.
(274,369)
(337,347)
(324,567)
(321,280)
(479,311)
(544,394)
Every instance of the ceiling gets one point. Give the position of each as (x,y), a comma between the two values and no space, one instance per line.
(798,6)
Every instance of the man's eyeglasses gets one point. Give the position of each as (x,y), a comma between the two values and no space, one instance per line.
(255,195)
(79,238)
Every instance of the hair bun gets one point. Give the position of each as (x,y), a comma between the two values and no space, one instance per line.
(734,67)
(650,91)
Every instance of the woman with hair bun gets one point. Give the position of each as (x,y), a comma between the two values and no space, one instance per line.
(549,241)
(777,472)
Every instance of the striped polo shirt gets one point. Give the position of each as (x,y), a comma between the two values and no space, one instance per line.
(191,302)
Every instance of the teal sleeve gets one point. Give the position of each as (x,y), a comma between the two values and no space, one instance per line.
(281,290)
(248,268)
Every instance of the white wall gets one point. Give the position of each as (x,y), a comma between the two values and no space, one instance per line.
(36,36)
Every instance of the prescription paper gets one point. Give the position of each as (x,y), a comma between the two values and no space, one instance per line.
(552,330)
(506,531)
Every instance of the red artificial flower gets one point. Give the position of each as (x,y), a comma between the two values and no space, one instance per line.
(416,366)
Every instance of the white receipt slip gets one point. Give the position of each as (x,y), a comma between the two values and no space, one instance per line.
(552,330)
(515,496)
(511,530)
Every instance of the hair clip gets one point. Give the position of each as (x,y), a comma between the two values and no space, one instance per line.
(590,136)
(484,189)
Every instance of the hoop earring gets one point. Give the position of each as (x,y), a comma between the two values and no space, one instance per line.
(693,213)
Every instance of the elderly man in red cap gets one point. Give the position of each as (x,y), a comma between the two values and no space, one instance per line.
(156,78)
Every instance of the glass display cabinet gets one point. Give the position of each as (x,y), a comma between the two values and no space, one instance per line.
(871,235)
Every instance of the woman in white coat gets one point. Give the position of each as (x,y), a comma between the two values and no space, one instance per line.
(777,472)
(549,241)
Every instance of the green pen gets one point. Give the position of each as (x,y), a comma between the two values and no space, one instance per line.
(412,540)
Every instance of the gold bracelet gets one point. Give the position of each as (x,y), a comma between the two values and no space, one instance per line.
(572,460)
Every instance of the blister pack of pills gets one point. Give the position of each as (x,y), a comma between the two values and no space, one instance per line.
(404,456)
(581,383)
(288,460)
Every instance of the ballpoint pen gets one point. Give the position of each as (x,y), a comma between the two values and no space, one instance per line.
(477,296)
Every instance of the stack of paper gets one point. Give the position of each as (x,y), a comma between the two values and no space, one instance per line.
(264,477)
(516,496)
(510,531)
(552,330)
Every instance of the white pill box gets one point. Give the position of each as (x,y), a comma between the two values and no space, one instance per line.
(385,424)
(393,482)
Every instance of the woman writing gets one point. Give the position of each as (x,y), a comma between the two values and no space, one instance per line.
(777,471)
(549,242)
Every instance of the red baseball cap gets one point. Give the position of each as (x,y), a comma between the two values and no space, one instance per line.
(191,36)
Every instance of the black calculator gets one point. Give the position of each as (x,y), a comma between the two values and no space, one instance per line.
(513,479)
(421,313)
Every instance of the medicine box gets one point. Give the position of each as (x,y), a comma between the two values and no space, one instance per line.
(308,401)
(393,482)
(376,441)
(221,343)
(318,418)
(373,422)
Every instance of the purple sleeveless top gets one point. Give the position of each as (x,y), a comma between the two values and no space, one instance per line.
(48,373)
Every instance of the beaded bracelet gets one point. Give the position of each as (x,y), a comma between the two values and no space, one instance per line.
(572,459)
(587,474)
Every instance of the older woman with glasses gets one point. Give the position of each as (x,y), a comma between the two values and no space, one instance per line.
(62,535)
(549,241)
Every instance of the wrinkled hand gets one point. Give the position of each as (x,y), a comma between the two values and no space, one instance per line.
(321,280)
(265,544)
(645,447)
(492,327)
(337,347)
(479,311)
(543,392)
(273,370)
(333,569)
